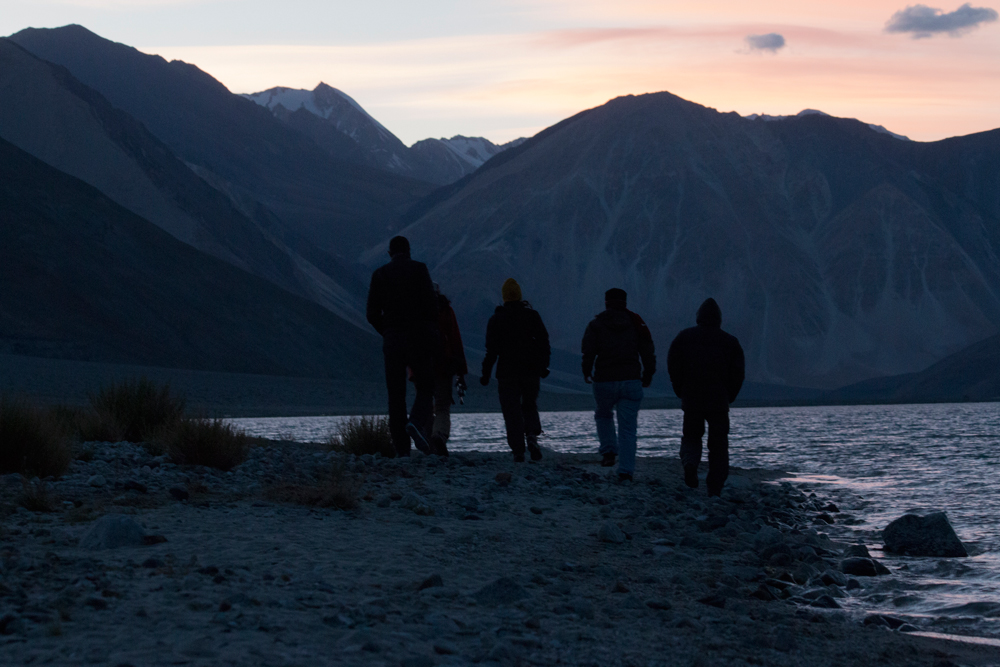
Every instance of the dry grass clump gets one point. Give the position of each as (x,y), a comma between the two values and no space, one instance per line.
(133,410)
(337,490)
(204,442)
(35,497)
(363,435)
(31,443)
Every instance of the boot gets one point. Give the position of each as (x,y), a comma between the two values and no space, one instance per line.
(533,449)
(691,476)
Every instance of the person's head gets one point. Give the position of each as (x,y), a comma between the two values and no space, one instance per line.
(615,299)
(510,291)
(398,245)
(709,313)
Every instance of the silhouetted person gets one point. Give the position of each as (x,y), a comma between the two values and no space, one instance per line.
(516,340)
(403,307)
(706,369)
(618,348)
(450,363)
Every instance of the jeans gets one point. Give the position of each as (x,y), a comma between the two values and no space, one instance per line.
(519,403)
(415,350)
(624,397)
(718,444)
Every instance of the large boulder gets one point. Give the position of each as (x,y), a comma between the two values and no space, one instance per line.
(113,531)
(931,535)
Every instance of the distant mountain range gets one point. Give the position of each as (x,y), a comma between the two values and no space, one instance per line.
(337,123)
(839,252)
(836,252)
(813,112)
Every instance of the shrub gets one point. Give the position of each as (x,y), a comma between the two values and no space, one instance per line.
(35,497)
(30,442)
(133,410)
(363,435)
(206,442)
(337,490)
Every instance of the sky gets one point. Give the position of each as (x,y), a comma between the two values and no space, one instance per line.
(509,68)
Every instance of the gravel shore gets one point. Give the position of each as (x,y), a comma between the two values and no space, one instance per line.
(466,560)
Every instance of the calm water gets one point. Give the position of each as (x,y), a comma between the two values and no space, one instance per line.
(875,462)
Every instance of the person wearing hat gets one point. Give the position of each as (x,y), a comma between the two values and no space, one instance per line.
(403,308)
(706,367)
(518,343)
(619,360)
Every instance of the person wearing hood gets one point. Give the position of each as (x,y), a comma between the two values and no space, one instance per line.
(619,359)
(518,343)
(706,368)
(450,363)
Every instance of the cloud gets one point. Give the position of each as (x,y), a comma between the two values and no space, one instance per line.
(772,41)
(923,21)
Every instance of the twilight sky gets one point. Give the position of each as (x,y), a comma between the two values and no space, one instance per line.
(508,68)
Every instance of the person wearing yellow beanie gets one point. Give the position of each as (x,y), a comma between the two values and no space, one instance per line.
(510,291)
(517,342)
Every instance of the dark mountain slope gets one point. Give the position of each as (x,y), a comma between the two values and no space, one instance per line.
(836,252)
(335,204)
(83,278)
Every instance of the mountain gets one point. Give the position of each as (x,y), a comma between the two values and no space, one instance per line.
(814,112)
(971,374)
(85,278)
(74,129)
(341,126)
(837,253)
(320,204)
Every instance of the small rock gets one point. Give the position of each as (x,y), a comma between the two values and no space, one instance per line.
(714,601)
(857,550)
(536,510)
(661,605)
(931,535)
(97,481)
(436,530)
(11,623)
(113,531)
(433,581)
(150,540)
(883,620)
(153,563)
(863,567)
(445,648)
(833,577)
(179,493)
(825,602)
(620,588)
(501,591)
(610,532)
(97,603)
(139,487)
(823,518)
(503,478)
(385,500)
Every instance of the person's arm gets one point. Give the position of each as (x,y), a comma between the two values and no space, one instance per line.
(589,349)
(737,370)
(374,312)
(647,350)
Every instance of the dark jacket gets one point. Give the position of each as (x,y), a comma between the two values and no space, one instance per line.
(517,337)
(618,339)
(705,363)
(401,297)
(451,360)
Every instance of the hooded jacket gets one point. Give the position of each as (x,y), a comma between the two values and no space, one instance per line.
(705,363)
(617,340)
(517,341)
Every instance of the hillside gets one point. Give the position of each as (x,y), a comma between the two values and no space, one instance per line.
(86,279)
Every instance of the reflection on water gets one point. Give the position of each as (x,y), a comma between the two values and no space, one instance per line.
(876,462)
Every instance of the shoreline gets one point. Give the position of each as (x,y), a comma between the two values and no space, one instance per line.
(472,559)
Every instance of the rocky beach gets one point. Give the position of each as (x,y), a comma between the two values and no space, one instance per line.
(301,556)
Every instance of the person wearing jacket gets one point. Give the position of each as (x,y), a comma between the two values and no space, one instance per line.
(619,359)
(403,308)
(706,368)
(518,343)
(450,362)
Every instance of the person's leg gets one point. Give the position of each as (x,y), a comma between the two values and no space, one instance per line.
(718,452)
(628,422)
(441,430)
(513,416)
(605,396)
(421,362)
(693,430)
(532,422)
(395,384)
